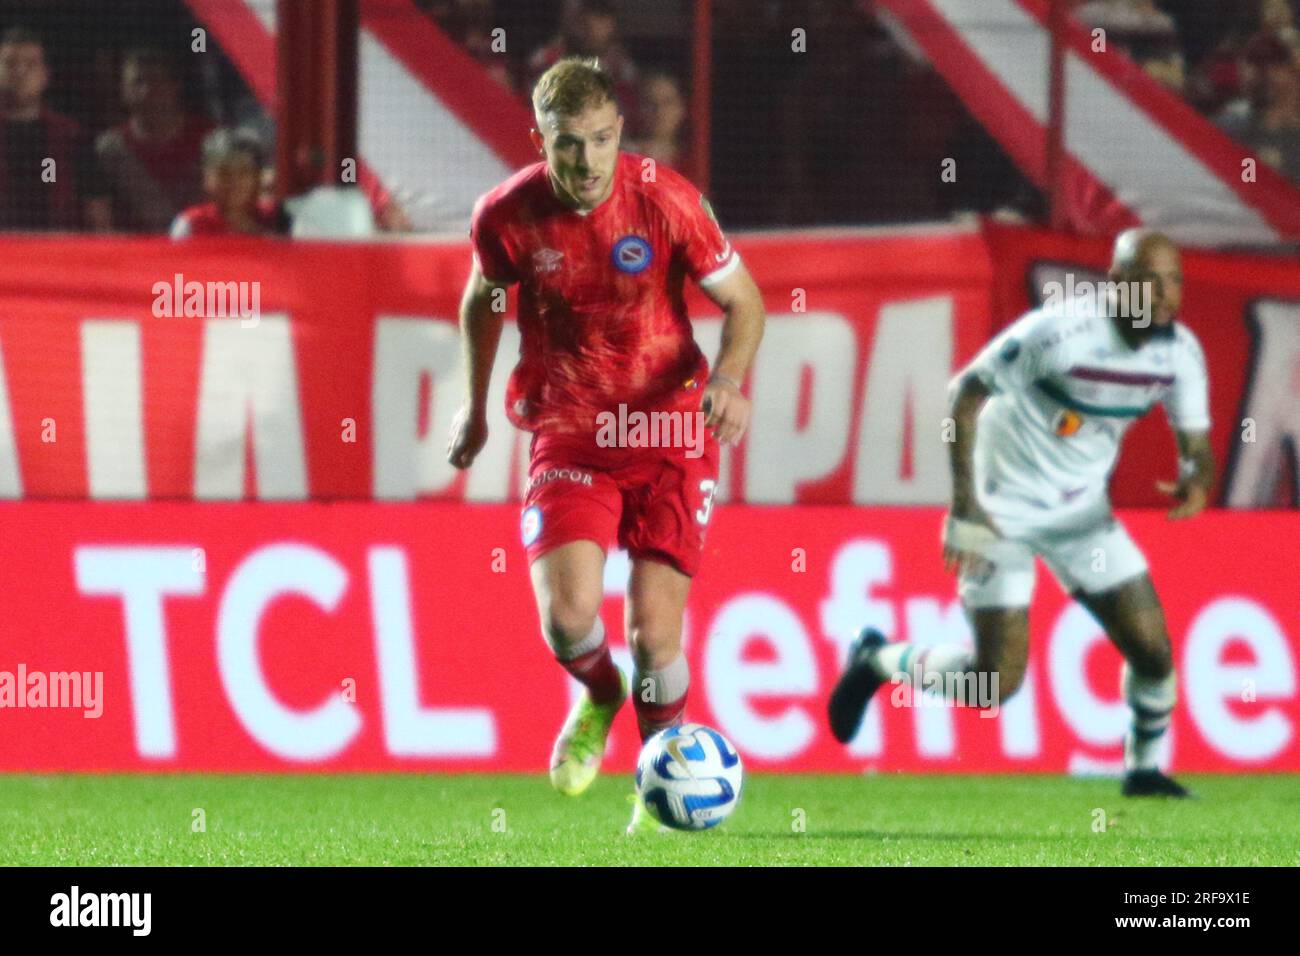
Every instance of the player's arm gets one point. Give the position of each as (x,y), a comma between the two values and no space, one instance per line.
(1195,475)
(1188,408)
(1013,360)
(967,401)
(727,408)
(481,317)
(966,518)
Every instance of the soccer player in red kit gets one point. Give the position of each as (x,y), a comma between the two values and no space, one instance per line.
(600,243)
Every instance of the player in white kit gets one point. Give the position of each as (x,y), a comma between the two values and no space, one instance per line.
(1039,415)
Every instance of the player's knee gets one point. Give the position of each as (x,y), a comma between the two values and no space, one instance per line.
(1144,641)
(1007,669)
(1010,675)
(1002,641)
(568,620)
(654,644)
(1152,656)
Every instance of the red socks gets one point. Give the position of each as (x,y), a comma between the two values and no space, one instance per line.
(595,670)
(660,696)
(652,718)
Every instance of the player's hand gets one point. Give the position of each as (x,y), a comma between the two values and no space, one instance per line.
(1192,498)
(469,433)
(726,409)
(958,556)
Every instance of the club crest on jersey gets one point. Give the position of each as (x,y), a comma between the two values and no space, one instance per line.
(530,524)
(547,260)
(632,254)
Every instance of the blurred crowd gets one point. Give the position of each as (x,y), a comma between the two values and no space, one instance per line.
(139,145)
(1236,61)
(54,175)
(99,131)
(652,97)
(808,123)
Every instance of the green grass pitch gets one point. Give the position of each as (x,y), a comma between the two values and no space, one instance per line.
(517,820)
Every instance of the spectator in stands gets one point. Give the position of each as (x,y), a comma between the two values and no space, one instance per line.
(47,169)
(1168,68)
(232,176)
(151,162)
(390,215)
(662,123)
(1271,130)
(1277,18)
(470,23)
(1225,82)
(590,28)
(1217,85)
(1148,35)
(1126,17)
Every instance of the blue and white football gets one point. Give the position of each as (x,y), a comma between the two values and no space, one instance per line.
(689,777)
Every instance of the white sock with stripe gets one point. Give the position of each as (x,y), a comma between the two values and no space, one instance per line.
(917,665)
(1152,702)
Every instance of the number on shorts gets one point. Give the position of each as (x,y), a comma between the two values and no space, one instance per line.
(708,486)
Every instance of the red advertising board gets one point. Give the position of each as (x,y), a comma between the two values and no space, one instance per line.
(128,372)
(367,636)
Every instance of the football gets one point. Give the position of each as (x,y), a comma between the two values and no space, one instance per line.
(689,777)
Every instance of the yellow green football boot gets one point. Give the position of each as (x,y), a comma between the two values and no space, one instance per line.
(575,761)
(643,821)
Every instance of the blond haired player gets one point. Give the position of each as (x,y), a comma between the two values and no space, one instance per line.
(600,243)
(1040,414)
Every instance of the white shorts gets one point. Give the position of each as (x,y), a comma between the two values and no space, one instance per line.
(1093,555)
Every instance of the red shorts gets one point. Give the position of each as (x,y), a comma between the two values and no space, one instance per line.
(656,502)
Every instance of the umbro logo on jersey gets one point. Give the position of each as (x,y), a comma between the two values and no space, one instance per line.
(632,254)
(547,260)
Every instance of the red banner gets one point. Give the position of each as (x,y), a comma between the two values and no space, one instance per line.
(361,636)
(265,370)
(130,371)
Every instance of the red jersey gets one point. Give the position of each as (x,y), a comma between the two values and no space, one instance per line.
(206,220)
(172,163)
(602,315)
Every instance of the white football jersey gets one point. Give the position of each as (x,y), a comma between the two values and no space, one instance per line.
(1065,388)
